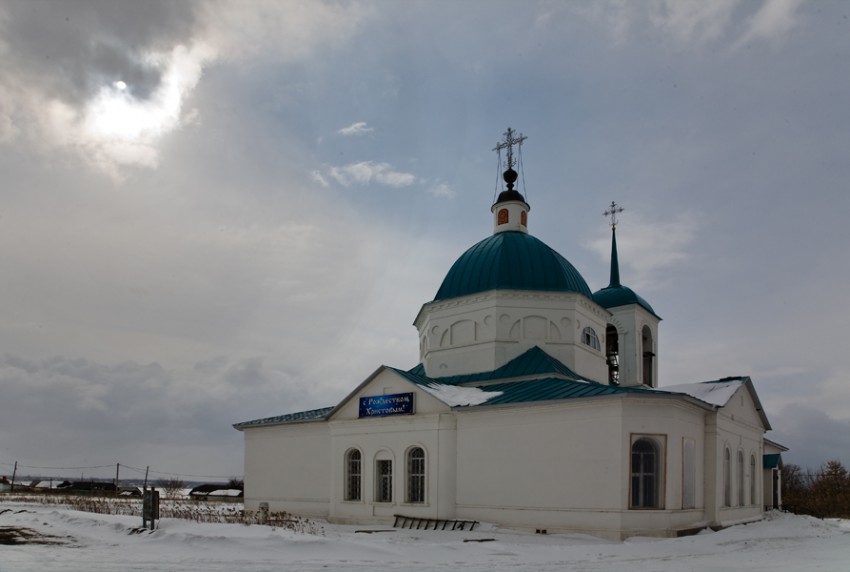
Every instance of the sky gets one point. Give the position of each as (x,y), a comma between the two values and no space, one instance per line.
(220,211)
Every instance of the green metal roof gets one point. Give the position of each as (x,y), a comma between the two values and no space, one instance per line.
(549,380)
(613,296)
(533,362)
(300,417)
(771,460)
(553,388)
(545,389)
(511,261)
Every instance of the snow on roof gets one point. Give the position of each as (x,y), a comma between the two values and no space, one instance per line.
(454,395)
(713,392)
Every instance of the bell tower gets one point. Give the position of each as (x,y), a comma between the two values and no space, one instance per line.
(631,335)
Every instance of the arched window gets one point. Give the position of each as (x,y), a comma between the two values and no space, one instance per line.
(648,356)
(589,338)
(727,477)
(645,483)
(753,489)
(416,475)
(353,475)
(740,478)
(503,216)
(612,354)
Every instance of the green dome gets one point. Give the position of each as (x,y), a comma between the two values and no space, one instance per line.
(614,296)
(511,261)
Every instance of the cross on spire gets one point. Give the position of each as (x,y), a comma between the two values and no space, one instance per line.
(612,212)
(509,143)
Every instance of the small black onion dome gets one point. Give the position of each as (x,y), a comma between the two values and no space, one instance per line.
(510,177)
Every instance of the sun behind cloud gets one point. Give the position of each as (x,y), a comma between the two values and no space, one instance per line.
(124,128)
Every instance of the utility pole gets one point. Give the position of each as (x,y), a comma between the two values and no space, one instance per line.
(14,472)
(117,466)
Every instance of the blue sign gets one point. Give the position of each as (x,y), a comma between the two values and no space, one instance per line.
(383,405)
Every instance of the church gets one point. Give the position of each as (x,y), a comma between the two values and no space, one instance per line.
(535,405)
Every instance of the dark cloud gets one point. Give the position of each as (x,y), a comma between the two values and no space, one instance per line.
(77,410)
(71,49)
(812,436)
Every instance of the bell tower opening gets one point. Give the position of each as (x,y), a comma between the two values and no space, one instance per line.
(612,354)
(648,356)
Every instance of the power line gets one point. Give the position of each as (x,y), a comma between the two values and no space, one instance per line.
(122,465)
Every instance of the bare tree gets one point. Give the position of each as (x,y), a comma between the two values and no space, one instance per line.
(173,487)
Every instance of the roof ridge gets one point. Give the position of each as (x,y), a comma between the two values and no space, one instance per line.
(533,362)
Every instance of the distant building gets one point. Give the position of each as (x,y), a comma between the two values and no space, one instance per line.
(535,405)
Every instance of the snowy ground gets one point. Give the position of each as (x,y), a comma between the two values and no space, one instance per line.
(69,540)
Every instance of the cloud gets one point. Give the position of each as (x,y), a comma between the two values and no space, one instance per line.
(107,82)
(811,436)
(270,30)
(442,190)
(694,22)
(366,172)
(319,178)
(133,413)
(358,128)
(774,19)
(116,129)
(648,248)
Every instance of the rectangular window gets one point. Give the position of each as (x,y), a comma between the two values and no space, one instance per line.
(416,476)
(384,481)
(688,473)
(353,476)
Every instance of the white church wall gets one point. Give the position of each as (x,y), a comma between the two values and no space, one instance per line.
(670,423)
(485,331)
(568,466)
(431,427)
(393,438)
(740,430)
(288,466)
(547,466)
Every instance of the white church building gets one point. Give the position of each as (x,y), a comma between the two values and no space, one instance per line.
(535,405)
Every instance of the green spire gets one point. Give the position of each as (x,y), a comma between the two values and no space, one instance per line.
(612,212)
(615,263)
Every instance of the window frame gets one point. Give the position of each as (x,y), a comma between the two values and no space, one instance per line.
(637,478)
(353,483)
(590,338)
(740,467)
(384,480)
(753,481)
(727,477)
(417,469)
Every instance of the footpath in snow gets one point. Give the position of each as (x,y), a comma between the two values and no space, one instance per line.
(38,538)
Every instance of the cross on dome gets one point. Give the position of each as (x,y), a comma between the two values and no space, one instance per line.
(509,143)
(613,211)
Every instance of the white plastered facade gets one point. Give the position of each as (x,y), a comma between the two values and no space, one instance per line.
(562,466)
